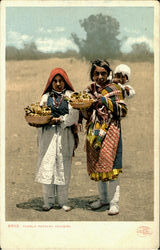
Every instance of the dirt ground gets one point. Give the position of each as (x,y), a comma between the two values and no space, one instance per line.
(25,81)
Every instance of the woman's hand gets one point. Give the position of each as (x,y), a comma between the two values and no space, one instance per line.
(55,121)
(98,101)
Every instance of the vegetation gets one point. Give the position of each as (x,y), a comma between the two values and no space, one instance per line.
(140,52)
(101,42)
(30,52)
(101,37)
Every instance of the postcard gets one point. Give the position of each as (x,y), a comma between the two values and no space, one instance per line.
(87,176)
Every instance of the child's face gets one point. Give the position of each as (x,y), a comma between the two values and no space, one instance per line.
(122,78)
(58,83)
(100,75)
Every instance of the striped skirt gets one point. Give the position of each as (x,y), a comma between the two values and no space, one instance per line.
(105,164)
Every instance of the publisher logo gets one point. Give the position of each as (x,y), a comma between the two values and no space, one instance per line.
(144,231)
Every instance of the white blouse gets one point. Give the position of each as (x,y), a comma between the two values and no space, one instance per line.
(56,144)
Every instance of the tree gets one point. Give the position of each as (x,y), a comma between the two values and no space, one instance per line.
(141,52)
(29,51)
(30,46)
(12,53)
(101,37)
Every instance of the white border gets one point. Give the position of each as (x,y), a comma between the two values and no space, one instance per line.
(2,114)
(82,234)
(75,3)
(156,116)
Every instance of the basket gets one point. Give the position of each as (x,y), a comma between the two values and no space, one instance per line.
(84,104)
(36,120)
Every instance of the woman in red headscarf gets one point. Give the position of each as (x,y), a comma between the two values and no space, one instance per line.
(57,141)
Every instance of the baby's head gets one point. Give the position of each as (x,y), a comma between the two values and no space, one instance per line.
(122,72)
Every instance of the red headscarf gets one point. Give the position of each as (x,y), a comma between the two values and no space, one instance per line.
(58,71)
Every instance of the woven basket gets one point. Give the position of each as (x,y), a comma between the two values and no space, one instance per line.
(38,120)
(81,105)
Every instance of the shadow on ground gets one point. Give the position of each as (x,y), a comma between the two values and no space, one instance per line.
(78,202)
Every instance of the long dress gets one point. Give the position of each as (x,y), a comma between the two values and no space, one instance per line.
(104,143)
(56,146)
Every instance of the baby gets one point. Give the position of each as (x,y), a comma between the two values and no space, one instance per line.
(121,76)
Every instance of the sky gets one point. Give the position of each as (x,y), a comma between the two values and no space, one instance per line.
(51,27)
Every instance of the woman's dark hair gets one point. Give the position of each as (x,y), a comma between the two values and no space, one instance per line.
(100,63)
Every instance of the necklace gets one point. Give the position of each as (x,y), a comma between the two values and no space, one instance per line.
(57,104)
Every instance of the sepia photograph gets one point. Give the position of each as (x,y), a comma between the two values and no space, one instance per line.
(80,124)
